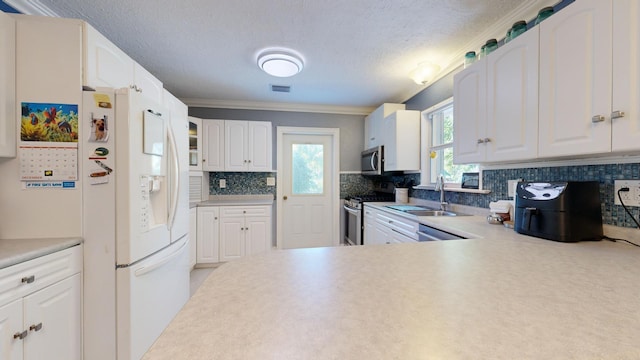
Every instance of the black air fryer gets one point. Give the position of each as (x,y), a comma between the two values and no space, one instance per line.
(560,211)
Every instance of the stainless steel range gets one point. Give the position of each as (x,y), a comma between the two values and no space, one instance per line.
(353,207)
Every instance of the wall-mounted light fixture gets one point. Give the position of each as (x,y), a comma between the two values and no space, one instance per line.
(424,73)
(280,63)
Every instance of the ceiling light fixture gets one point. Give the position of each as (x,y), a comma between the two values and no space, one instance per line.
(424,73)
(280,63)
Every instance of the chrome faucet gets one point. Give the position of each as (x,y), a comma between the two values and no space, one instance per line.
(440,187)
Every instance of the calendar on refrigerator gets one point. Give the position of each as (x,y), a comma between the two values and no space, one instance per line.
(51,162)
(48,149)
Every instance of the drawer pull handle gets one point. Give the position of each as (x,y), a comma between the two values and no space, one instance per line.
(28,279)
(617,114)
(597,119)
(20,335)
(35,327)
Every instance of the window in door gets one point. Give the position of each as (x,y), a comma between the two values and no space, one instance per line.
(437,140)
(307,175)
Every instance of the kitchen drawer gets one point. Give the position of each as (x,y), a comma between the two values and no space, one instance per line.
(24,278)
(231,211)
(399,224)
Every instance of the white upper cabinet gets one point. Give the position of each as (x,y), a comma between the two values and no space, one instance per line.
(373,134)
(105,64)
(236,134)
(213,145)
(575,79)
(146,83)
(260,146)
(496,104)
(470,113)
(195,144)
(626,76)
(512,100)
(402,141)
(7,86)
(108,66)
(248,145)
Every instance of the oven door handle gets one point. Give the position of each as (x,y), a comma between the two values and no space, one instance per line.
(351,211)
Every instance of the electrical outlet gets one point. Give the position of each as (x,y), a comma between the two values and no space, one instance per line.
(511,187)
(631,197)
(223,183)
(271,181)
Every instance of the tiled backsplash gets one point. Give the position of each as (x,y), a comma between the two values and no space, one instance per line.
(241,183)
(494,180)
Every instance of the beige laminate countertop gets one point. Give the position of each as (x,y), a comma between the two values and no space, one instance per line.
(14,251)
(236,200)
(499,296)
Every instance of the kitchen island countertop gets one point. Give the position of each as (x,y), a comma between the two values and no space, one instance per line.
(14,251)
(501,296)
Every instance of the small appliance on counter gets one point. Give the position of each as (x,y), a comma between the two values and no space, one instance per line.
(560,211)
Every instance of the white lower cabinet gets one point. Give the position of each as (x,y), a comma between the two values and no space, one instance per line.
(41,308)
(369,225)
(244,231)
(382,227)
(227,233)
(208,233)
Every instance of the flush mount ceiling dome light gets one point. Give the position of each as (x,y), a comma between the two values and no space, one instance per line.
(280,63)
(424,73)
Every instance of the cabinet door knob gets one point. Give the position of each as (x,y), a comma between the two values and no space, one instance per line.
(28,279)
(284,197)
(35,327)
(20,335)
(246,228)
(617,114)
(597,118)
(249,161)
(487,140)
(480,141)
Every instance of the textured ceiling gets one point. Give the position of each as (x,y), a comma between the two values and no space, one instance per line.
(357,53)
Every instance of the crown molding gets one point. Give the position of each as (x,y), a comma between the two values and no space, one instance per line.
(275,106)
(527,11)
(31,7)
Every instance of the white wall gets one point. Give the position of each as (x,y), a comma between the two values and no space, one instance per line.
(49,70)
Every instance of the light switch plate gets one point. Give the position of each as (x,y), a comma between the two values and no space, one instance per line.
(271,181)
(631,197)
(223,183)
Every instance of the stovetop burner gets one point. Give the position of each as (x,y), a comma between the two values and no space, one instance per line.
(375,197)
(355,202)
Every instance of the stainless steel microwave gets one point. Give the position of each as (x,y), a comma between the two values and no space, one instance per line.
(372,161)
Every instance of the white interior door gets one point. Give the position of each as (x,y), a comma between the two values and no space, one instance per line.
(309,190)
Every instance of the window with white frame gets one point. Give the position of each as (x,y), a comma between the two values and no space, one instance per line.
(437,146)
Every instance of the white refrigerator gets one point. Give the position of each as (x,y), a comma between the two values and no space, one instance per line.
(135,221)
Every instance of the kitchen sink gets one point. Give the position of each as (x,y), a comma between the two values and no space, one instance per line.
(434,213)
(423,210)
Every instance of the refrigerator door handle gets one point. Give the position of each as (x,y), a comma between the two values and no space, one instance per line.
(149,268)
(176,178)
